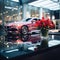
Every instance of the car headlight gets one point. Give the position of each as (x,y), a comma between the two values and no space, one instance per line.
(18,26)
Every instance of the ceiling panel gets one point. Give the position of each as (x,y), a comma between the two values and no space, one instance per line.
(49,4)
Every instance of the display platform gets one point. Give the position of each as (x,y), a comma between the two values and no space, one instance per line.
(25,48)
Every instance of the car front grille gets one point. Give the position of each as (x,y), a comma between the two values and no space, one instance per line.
(9,28)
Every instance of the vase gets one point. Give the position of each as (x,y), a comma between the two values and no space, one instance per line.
(44,32)
(44,38)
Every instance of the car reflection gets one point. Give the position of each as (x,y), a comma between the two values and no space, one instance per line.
(24,38)
(15,42)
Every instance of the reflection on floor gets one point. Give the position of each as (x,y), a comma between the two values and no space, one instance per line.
(24,38)
(30,37)
(14,41)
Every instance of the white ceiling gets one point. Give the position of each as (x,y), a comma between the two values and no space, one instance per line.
(49,4)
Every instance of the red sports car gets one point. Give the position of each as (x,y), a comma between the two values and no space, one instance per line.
(22,27)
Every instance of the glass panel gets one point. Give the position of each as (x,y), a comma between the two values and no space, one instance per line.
(10,10)
(35,12)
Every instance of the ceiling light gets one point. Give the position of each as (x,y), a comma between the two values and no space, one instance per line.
(11,8)
(16,0)
(8,7)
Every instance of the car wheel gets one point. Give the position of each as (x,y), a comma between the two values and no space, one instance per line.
(24,30)
(24,38)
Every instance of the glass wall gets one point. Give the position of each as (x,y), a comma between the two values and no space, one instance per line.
(1,9)
(34,11)
(10,10)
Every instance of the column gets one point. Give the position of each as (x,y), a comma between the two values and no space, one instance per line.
(40,13)
(24,11)
(19,8)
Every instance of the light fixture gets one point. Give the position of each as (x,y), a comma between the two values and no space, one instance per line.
(8,7)
(16,0)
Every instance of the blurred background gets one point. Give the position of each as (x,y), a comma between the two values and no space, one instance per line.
(12,10)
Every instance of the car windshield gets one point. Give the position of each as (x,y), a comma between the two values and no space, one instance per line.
(26,19)
(35,19)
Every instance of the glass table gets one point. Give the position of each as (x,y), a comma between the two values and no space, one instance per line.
(25,46)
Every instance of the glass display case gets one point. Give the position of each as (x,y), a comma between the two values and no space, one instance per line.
(26,45)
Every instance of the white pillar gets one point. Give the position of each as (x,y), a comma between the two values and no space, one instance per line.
(24,11)
(40,13)
(19,13)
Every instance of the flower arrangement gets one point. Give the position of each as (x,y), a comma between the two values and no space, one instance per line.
(44,25)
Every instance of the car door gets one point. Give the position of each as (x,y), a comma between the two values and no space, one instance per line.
(32,24)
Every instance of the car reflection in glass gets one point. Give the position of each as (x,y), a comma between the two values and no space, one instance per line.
(14,42)
(24,38)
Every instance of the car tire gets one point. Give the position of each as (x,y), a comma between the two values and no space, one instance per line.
(25,38)
(24,30)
